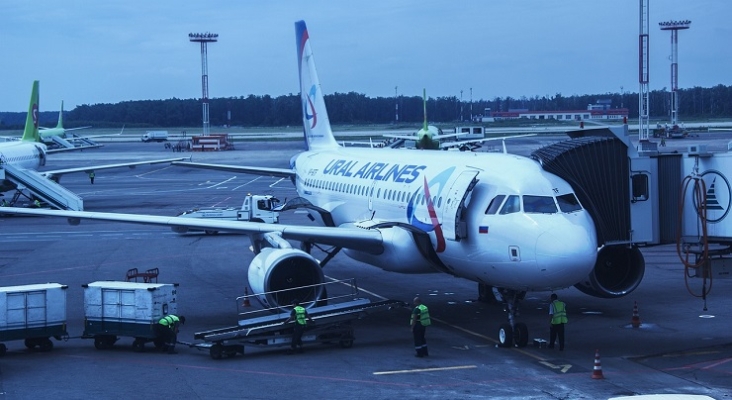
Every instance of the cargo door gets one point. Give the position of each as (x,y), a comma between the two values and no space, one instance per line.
(118,304)
(36,308)
(453,223)
(26,309)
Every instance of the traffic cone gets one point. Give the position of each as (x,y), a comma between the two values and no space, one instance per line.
(246,298)
(597,370)
(635,321)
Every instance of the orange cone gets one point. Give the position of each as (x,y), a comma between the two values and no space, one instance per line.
(635,321)
(597,370)
(246,298)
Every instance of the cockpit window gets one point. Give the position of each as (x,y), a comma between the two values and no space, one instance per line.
(539,205)
(495,204)
(512,205)
(568,203)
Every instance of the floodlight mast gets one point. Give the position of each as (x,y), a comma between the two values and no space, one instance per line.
(204,39)
(674,27)
(643,74)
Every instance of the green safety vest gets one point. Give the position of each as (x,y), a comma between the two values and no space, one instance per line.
(300,315)
(424,315)
(168,320)
(560,313)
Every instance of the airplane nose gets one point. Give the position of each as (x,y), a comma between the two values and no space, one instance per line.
(567,253)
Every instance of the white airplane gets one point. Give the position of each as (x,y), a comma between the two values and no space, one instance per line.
(496,219)
(19,160)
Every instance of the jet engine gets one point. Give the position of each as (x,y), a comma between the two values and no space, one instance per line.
(618,271)
(275,273)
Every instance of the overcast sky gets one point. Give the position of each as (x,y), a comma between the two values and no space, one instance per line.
(89,51)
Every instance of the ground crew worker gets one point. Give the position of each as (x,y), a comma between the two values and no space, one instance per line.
(36,203)
(558,317)
(301,317)
(91,177)
(419,322)
(167,330)
(4,203)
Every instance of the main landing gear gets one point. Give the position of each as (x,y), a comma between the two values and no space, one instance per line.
(511,333)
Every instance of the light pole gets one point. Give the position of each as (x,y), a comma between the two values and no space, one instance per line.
(396,102)
(471,105)
(204,39)
(621,97)
(461,105)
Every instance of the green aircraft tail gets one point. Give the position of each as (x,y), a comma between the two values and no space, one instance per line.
(60,124)
(30,134)
(424,102)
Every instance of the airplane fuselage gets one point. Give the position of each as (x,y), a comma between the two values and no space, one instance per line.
(529,244)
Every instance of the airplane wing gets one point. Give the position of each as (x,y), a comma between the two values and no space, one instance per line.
(264,171)
(40,128)
(447,145)
(90,168)
(403,137)
(352,238)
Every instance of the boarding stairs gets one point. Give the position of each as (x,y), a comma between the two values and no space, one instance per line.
(43,188)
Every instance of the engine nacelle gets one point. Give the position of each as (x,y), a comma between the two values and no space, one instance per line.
(275,273)
(618,271)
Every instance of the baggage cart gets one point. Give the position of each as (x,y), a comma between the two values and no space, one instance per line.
(113,309)
(33,313)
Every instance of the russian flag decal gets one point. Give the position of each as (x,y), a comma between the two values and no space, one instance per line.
(482,229)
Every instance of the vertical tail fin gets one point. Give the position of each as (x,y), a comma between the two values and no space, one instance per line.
(30,134)
(314,115)
(60,124)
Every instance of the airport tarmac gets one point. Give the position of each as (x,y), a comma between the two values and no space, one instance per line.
(684,344)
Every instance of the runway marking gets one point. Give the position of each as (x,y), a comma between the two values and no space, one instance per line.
(244,184)
(222,182)
(276,182)
(411,371)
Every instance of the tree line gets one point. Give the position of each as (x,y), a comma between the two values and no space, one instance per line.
(356,108)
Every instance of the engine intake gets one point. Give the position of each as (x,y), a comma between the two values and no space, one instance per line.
(618,271)
(280,276)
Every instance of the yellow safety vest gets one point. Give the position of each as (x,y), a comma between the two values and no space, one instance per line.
(424,315)
(560,313)
(168,320)
(300,315)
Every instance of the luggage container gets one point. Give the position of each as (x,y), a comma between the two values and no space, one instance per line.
(34,313)
(113,309)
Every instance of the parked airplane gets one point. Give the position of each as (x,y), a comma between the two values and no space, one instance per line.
(58,130)
(428,137)
(20,159)
(497,219)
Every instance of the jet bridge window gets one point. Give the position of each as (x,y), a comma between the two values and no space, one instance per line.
(640,187)
(539,205)
(512,205)
(495,204)
(568,203)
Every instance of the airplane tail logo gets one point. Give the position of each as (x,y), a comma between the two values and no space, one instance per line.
(30,134)
(316,125)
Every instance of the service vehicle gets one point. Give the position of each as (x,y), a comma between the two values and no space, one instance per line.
(255,208)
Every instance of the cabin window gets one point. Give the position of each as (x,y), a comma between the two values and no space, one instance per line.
(539,205)
(378,193)
(568,203)
(495,204)
(512,205)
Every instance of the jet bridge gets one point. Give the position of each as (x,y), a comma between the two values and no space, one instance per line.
(640,196)
(43,188)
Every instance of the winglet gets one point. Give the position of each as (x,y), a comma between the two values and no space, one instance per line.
(30,134)
(316,124)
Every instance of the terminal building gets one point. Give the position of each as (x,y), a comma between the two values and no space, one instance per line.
(601,110)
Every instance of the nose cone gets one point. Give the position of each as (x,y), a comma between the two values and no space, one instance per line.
(566,254)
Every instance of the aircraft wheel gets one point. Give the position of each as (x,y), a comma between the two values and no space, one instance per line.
(346,343)
(505,335)
(521,335)
(30,343)
(211,232)
(3,349)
